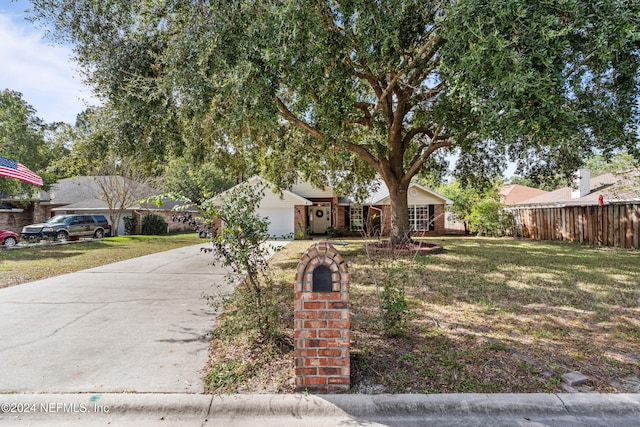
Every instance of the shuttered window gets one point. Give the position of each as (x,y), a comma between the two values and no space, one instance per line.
(422,217)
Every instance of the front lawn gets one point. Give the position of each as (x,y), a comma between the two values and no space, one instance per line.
(26,264)
(487,315)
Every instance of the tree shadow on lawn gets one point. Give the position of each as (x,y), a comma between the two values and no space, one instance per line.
(528,300)
(45,252)
(489,316)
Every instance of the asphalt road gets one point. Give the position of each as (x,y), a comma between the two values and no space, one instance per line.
(139,325)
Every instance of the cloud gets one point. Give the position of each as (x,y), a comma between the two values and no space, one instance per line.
(44,73)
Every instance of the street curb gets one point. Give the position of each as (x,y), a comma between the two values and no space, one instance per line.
(113,404)
(408,405)
(335,405)
(405,410)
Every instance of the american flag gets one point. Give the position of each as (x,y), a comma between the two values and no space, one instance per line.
(12,169)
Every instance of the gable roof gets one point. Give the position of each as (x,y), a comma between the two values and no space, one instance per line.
(78,189)
(516,193)
(377,197)
(614,187)
(380,196)
(81,193)
(256,179)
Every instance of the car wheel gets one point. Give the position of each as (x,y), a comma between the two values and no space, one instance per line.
(99,234)
(62,235)
(10,241)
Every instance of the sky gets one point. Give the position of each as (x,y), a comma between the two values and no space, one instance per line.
(43,72)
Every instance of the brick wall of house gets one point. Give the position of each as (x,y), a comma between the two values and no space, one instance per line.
(322,324)
(14,221)
(340,217)
(34,213)
(41,213)
(439,220)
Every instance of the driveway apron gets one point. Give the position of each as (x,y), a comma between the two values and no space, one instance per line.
(140,325)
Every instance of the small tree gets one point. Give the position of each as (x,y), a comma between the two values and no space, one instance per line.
(120,187)
(485,217)
(241,244)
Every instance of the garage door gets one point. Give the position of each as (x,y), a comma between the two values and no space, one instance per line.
(280,221)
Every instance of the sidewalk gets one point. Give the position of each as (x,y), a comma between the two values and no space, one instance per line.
(448,410)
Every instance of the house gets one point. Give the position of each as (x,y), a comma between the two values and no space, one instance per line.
(516,193)
(611,187)
(304,207)
(82,194)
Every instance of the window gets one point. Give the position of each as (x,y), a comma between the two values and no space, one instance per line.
(422,218)
(356,218)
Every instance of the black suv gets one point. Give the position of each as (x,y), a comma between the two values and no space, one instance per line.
(61,227)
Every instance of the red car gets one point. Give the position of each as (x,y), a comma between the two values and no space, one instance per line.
(8,238)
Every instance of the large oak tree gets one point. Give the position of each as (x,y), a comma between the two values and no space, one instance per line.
(371,86)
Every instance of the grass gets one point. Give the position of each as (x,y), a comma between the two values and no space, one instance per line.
(31,263)
(487,315)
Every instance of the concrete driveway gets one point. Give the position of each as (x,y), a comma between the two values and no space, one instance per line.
(139,325)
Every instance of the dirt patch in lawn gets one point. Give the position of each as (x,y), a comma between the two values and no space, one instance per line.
(485,315)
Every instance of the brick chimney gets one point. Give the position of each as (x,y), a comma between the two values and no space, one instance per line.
(581,184)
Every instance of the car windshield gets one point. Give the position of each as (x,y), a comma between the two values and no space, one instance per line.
(58,219)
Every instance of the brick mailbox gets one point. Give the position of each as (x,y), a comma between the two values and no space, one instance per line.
(321,321)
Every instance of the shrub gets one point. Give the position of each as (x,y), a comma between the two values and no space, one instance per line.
(154,224)
(130,224)
(394,308)
(240,244)
(488,218)
(332,231)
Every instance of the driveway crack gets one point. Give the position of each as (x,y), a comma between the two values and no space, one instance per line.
(56,330)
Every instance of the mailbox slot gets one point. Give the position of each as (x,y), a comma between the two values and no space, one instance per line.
(321,280)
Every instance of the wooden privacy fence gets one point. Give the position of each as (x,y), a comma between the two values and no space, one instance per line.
(616,224)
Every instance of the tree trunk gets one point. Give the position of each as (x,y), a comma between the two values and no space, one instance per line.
(399,211)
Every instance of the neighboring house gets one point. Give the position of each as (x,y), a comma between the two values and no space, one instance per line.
(82,195)
(613,187)
(306,207)
(515,193)
(13,215)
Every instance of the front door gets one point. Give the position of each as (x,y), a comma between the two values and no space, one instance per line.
(320,218)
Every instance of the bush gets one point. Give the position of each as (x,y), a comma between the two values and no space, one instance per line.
(332,232)
(153,224)
(240,245)
(130,225)
(487,218)
(395,310)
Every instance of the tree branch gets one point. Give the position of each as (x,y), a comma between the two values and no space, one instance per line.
(416,131)
(364,154)
(366,118)
(351,147)
(431,92)
(419,159)
(394,81)
(291,118)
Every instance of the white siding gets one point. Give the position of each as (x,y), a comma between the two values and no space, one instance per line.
(422,198)
(417,196)
(307,190)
